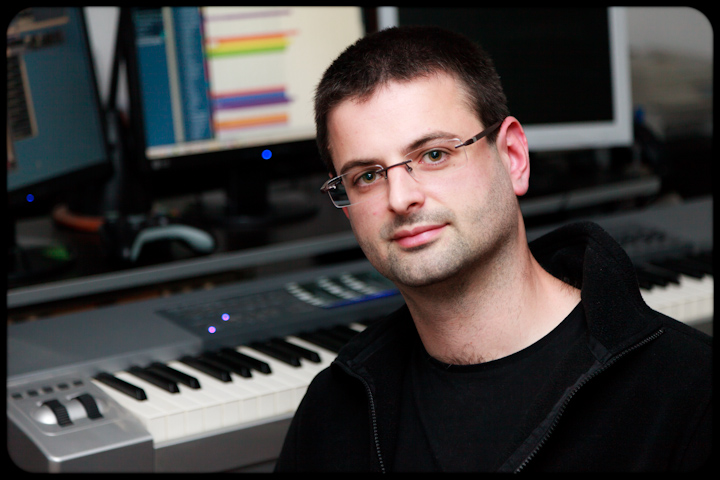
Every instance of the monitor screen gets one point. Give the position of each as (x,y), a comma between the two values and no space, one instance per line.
(231,84)
(565,71)
(55,129)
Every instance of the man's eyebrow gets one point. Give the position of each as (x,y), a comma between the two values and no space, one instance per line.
(358,163)
(414,145)
(430,137)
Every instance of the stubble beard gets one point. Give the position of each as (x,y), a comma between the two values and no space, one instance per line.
(428,264)
(446,261)
(450,262)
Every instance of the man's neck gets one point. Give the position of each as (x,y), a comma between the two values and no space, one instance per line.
(491,312)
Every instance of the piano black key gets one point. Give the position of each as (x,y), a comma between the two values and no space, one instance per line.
(331,333)
(706,258)
(121,386)
(174,375)
(679,266)
(215,372)
(225,363)
(295,349)
(644,283)
(321,340)
(246,360)
(343,330)
(367,321)
(645,277)
(270,350)
(155,379)
(696,262)
(670,275)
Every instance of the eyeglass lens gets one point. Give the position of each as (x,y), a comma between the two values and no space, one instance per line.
(435,160)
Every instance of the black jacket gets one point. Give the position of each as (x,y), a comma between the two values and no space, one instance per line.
(635,396)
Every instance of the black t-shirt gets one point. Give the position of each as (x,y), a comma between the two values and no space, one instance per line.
(457,418)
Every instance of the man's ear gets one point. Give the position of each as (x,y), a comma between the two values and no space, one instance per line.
(513,147)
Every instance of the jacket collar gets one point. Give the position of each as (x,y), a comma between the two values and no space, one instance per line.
(584,255)
(581,254)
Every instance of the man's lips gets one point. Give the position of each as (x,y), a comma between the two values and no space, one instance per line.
(417,236)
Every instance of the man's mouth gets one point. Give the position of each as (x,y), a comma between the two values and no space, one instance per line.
(414,237)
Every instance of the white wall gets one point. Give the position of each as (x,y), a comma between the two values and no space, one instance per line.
(679,30)
(102,26)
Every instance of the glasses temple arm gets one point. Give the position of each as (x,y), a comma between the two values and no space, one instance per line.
(480,135)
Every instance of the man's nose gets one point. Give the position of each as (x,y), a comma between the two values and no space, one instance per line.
(405,193)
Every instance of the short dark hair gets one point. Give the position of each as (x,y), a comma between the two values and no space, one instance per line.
(403,54)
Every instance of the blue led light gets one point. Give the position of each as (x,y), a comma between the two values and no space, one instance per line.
(30,197)
(212,329)
(266,154)
(225,317)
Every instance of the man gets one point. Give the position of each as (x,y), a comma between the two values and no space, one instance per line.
(506,356)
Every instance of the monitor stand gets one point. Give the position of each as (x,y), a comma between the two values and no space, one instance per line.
(250,207)
(126,192)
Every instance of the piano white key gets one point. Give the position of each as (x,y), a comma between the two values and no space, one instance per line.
(245,400)
(290,389)
(699,299)
(357,327)
(191,411)
(274,397)
(229,413)
(297,378)
(220,404)
(689,301)
(211,408)
(152,417)
(661,298)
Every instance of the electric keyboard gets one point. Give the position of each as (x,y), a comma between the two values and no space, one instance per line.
(209,380)
(206,381)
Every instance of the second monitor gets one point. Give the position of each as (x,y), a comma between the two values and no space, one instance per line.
(222,97)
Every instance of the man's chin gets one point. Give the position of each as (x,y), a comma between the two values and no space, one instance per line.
(421,272)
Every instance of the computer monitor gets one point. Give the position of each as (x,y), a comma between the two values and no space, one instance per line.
(222,97)
(56,139)
(565,71)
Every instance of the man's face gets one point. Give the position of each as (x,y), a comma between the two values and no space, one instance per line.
(420,233)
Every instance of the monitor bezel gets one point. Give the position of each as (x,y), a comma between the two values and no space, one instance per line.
(586,135)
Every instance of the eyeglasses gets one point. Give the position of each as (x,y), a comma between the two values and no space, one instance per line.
(436,159)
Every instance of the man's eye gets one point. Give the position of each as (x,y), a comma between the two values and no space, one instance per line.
(366,178)
(434,156)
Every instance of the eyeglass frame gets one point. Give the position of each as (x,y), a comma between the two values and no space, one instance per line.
(331,183)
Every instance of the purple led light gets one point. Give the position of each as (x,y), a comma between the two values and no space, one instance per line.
(225,317)
(212,329)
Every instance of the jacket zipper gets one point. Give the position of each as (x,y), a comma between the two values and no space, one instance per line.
(572,394)
(373,415)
